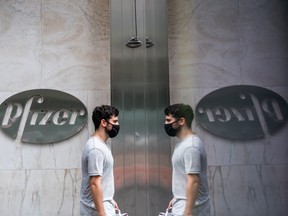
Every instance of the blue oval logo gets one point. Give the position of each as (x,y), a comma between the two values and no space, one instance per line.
(42,116)
(242,112)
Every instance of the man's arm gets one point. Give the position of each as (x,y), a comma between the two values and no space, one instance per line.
(191,192)
(97,193)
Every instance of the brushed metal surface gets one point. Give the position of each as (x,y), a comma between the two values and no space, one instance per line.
(140,89)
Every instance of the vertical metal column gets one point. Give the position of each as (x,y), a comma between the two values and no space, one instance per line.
(140,89)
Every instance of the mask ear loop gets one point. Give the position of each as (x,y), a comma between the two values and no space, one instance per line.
(174,121)
(106,130)
(109,122)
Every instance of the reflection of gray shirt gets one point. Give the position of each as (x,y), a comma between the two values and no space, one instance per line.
(97,160)
(189,157)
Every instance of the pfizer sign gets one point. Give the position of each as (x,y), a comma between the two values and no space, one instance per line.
(42,116)
(242,112)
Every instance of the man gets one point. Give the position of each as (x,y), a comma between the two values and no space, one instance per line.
(189,177)
(97,188)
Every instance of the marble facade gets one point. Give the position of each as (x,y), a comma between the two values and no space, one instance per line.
(65,45)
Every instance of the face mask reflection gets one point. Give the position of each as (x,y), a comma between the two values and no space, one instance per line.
(170,130)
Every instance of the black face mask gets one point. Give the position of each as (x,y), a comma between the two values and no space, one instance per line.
(170,130)
(114,131)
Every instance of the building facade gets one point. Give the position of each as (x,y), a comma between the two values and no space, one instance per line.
(66,46)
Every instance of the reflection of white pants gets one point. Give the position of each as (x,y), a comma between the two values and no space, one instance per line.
(200,210)
(89,211)
(203,209)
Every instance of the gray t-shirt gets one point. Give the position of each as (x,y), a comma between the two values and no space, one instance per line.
(189,157)
(97,160)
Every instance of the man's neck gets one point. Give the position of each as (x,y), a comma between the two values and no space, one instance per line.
(101,135)
(184,133)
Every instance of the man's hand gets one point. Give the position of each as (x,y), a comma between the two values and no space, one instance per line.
(115,205)
(170,205)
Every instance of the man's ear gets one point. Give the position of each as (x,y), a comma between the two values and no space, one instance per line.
(181,121)
(103,123)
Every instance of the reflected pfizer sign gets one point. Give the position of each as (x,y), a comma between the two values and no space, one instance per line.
(242,112)
(42,116)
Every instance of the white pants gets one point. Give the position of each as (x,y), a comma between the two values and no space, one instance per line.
(200,210)
(89,211)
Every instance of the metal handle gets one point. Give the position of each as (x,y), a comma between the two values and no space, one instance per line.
(134,42)
(149,43)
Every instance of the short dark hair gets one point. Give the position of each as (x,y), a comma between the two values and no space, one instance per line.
(181,110)
(103,112)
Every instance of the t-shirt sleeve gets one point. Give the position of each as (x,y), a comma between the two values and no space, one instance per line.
(192,160)
(95,162)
